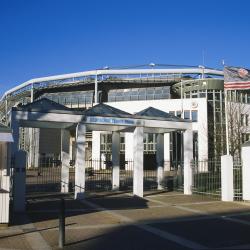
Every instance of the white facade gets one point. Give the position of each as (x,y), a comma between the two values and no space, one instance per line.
(166,105)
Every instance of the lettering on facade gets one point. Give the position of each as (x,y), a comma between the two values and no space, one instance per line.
(110,121)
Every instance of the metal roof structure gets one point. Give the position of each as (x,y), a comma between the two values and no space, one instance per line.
(151,112)
(92,76)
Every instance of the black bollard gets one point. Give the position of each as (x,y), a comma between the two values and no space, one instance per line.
(61,239)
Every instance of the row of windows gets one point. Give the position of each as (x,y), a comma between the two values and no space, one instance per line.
(71,98)
(135,94)
(210,94)
(186,114)
(149,141)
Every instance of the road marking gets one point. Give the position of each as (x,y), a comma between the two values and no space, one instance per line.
(163,234)
(209,215)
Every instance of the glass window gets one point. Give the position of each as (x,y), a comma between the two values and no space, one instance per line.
(202,94)
(242,120)
(187,114)
(194,115)
(178,114)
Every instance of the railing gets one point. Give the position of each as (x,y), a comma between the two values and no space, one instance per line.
(126,175)
(44,178)
(207,178)
(237,179)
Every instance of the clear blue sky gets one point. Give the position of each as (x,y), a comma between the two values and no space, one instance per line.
(48,37)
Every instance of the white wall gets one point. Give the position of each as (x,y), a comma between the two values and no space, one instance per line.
(199,104)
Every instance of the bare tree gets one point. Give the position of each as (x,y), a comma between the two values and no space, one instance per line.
(238,115)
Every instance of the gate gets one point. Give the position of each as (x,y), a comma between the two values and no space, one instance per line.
(44,178)
(207,178)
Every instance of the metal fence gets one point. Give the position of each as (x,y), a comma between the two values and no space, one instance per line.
(126,175)
(98,175)
(44,178)
(237,179)
(207,178)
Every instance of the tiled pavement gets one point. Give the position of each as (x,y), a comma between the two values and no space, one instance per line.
(120,221)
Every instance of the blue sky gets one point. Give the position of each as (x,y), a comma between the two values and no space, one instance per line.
(48,37)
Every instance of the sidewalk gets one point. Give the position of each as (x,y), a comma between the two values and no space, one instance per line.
(120,221)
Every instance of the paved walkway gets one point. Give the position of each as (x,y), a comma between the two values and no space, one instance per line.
(120,221)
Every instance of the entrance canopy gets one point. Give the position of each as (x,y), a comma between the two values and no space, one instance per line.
(45,113)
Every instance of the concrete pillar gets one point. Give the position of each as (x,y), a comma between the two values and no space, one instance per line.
(80,161)
(65,159)
(19,178)
(245,152)
(160,160)
(188,156)
(116,160)
(31,152)
(167,151)
(129,154)
(227,187)
(138,161)
(36,149)
(33,139)
(96,145)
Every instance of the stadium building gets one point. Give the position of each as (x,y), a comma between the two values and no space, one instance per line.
(187,92)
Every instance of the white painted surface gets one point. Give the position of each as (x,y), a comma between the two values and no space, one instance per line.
(166,105)
(245,153)
(227,188)
(138,161)
(188,156)
(4,207)
(65,158)
(116,160)
(167,151)
(6,137)
(80,161)
(96,145)
(160,160)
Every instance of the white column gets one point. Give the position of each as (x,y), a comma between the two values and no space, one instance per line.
(96,145)
(19,176)
(188,156)
(116,160)
(160,160)
(80,161)
(138,161)
(129,154)
(167,151)
(31,152)
(227,189)
(36,150)
(65,158)
(245,153)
